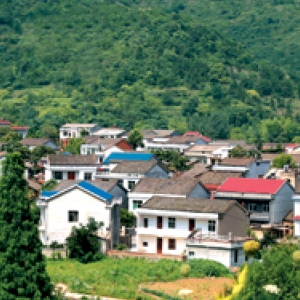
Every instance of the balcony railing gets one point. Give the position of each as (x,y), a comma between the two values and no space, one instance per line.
(259,215)
(206,237)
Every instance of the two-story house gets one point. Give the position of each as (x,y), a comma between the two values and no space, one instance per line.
(201,228)
(71,167)
(60,211)
(267,200)
(69,131)
(173,187)
(129,173)
(103,147)
(251,167)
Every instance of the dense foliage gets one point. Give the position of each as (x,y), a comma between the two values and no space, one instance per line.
(127,218)
(83,243)
(94,61)
(22,265)
(120,278)
(276,268)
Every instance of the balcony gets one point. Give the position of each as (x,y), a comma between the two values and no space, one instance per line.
(167,232)
(260,216)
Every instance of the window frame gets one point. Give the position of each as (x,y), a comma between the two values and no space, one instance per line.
(145,244)
(136,204)
(172,223)
(146,222)
(88,173)
(171,244)
(54,173)
(131,184)
(212,225)
(73,216)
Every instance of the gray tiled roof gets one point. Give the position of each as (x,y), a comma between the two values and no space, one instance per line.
(217,177)
(177,186)
(103,185)
(34,141)
(189,204)
(72,159)
(139,167)
(232,161)
(196,170)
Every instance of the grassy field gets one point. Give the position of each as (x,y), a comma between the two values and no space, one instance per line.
(121,278)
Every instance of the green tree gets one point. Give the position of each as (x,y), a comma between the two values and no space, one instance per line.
(38,152)
(11,137)
(74,145)
(127,218)
(135,139)
(83,243)
(22,265)
(284,159)
(238,151)
(50,132)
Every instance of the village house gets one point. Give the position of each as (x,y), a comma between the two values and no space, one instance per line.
(251,167)
(201,228)
(71,167)
(267,200)
(208,154)
(112,132)
(177,187)
(103,147)
(110,186)
(205,140)
(289,174)
(69,131)
(61,210)
(21,130)
(129,173)
(31,143)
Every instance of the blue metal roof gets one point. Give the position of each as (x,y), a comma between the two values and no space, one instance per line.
(47,194)
(128,156)
(95,190)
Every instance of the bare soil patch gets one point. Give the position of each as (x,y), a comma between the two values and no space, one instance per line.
(203,288)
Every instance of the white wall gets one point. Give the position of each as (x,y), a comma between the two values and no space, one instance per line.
(297,213)
(58,228)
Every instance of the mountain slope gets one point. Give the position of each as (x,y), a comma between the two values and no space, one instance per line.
(94,61)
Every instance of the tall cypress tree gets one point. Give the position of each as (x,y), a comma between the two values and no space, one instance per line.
(22,265)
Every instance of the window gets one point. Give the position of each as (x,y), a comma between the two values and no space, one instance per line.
(212,226)
(131,185)
(251,206)
(265,207)
(236,256)
(191,253)
(57,175)
(172,244)
(87,176)
(145,244)
(73,216)
(159,223)
(65,133)
(137,204)
(172,222)
(146,222)
(120,182)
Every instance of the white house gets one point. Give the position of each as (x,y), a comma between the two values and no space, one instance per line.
(129,173)
(168,225)
(60,211)
(177,187)
(72,167)
(296,199)
(21,130)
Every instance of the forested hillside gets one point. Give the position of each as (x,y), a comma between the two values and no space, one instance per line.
(93,61)
(269,30)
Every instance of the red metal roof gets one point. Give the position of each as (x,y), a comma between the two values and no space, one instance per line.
(251,185)
(297,218)
(19,128)
(192,133)
(205,138)
(292,146)
(4,122)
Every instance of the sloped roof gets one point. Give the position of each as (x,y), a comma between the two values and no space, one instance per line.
(89,187)
(101,184)
(251,185)
(78,125)
(233,161)
(34,185)
(182,140)
(196,205)
(269,156)
(128,156)
(56,159)
(196,170)
(176,186)
(139,167)
(34,141)
(218,177)
(289,217)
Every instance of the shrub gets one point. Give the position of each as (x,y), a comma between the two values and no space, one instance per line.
(121,247)
(251,248)
(185,270)
(296,256)
(203,267)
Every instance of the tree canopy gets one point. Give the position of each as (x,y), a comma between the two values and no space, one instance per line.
(22,265)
